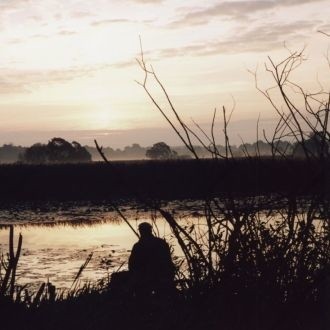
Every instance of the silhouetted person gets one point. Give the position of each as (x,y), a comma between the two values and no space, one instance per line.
(150,264)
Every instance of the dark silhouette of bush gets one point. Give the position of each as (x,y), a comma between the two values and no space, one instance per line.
(36,154)
(10,153)
(57,150)
(161,150)
(317,146)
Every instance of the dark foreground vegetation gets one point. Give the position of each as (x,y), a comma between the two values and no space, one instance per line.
(258,259)
(255,263)
(171,179)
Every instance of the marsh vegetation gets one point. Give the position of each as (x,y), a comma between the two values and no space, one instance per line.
(258,259)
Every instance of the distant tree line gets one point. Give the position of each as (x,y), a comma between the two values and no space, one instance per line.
(58,150)
(10,153)
(161,150)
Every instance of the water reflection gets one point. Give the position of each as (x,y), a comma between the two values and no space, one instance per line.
(82,212)
(58,237)
(56,253)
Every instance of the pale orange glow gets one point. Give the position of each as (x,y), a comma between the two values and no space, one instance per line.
(71,65)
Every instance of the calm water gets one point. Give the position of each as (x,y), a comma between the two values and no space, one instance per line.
(57,239)
(56,253)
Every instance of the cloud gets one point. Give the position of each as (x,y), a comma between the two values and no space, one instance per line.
(260,38)
(110,21)
(10,87)
(325,28)
(124,64)
(13,4)
(81,14)
(234,10)
(119,21)
(22,81)
(61,33)
(148,1)
(66,33)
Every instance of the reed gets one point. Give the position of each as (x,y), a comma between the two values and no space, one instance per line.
(251,261)
(9,266)
(261,260)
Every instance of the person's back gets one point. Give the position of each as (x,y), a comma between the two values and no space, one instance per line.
(150,262)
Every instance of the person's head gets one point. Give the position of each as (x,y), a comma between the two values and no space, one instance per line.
(145,229)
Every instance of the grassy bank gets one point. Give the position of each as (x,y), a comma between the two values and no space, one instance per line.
(101,311)
(256,263)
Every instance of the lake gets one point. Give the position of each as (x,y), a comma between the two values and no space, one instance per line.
(58,237)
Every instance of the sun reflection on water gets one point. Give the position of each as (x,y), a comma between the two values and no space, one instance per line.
(56,253)
(57,239)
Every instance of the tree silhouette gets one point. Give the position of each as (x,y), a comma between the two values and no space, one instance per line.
(160,150)
(10,153)
(57,150)
(316,145)
(36,154)
(80,154)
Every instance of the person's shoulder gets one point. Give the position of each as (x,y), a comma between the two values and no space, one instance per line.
(156,238)
(160,241)
(136,245)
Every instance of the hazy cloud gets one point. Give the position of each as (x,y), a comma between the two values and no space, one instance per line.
(13,4)
(17,81)
(63,33)
(110,21)
(124,64)
(121,138)
(147,1)
(258,39)
(21,81)
(324,28)
(81,14)
(10,87)
(119,21)
(66,33)
(233,9)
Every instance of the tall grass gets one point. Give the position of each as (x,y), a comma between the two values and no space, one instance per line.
(8,267)
(261,261)
(258,261)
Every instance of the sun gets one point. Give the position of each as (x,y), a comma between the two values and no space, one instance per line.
(103,118)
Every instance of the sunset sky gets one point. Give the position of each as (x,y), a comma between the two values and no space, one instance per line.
(68,67)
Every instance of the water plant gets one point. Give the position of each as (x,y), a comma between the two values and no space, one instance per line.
(250,261)
(261,259)
(8,267)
